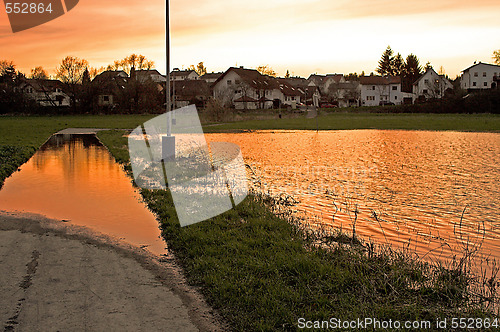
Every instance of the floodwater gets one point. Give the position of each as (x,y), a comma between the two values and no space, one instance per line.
(403,188)
(74,178)
(435,193)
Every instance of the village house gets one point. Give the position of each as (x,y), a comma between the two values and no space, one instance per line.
(152,74)
(210,78)
(310,92)
(248,89)
(46,92)
(182,75)
(110,86)
(378,90)
(430,85)
(190,92)
(344,94)
(287,94)
(480,76)
(323,82)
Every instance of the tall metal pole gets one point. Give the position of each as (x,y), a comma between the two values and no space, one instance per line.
(168,142)
(167,34)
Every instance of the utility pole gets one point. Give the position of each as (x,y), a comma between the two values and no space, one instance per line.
(167,33)
(168,142)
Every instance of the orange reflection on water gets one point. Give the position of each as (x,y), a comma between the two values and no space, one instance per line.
(74,178)
(418,183)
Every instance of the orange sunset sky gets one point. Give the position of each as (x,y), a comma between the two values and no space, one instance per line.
(304,36)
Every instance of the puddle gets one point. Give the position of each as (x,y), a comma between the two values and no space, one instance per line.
(75,179)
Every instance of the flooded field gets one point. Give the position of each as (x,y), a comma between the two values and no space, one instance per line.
(404,188)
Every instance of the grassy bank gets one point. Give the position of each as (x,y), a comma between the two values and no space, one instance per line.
(263,272)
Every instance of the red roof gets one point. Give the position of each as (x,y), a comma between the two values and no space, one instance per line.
(252,78)
(379,80)
(245,99)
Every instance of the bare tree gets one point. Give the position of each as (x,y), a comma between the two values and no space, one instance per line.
(200,68)
(266,70)
(138,62)
(496,57)
(70,72)
(38,73)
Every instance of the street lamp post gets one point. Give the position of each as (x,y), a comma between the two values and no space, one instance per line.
(168,141)
(167,33)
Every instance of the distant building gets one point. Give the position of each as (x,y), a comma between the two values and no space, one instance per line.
(430,85)
(210,78)
(248,89)
(46,92)
(191,92)
(152,74)
(110,86)
(378,90)
(310,92)
(480,76)
(182,75)
(323,82)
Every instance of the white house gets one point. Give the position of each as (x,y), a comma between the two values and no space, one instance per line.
(46,92)
(430,85)
(248,89)
(323,82)
(181,75)
(480,76)
(378,90)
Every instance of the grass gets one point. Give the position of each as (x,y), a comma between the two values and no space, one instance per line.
(263,272)
(348,121)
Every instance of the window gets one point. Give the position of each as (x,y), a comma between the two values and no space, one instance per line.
(30,90)
(373,87)
(394,88)
(229,82)
(474,84)
(475,74)
(485,84)
(426,81)
(370,97)
(484,74)
(105,98)
(236,81)
(395,97)
(425,91)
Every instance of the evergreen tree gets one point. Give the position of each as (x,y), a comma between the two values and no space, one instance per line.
(411,72)
(385,64)
(397,65)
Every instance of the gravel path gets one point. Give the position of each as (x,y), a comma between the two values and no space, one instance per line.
(58,277)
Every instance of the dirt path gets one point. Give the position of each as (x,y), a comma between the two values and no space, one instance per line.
(58,277)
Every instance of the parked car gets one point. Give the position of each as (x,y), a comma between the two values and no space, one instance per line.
(385,103)
(328,106)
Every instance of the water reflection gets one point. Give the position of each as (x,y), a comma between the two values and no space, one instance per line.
(416,183)
(73,177)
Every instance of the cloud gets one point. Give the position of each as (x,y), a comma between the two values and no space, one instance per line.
(229,30)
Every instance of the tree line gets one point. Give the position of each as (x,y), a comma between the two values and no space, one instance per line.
(76,76)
